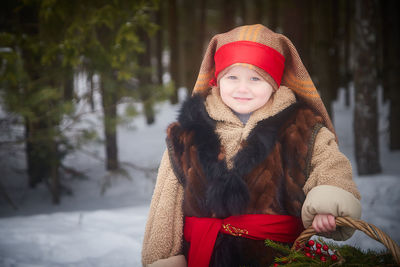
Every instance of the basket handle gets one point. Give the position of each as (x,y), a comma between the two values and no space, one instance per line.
(369,229)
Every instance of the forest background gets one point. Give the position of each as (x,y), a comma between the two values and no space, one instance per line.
(141,52)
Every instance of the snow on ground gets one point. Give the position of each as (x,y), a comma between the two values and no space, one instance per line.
(94,229)
(95,238)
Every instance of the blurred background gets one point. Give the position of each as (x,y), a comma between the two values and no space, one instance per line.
(144,51)
(87,89)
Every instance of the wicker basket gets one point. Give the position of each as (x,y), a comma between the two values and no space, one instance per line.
(369,229)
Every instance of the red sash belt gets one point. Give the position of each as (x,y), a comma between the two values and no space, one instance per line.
(202,232)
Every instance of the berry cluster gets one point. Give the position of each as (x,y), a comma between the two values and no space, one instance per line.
(314,250)
(312,253)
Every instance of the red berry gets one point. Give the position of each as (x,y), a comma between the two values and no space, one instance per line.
(307,249)
(325,247)
(311,242)
(308,254)
(312,257)
(323,258)
(334,257)
(318,251)
(276,264)
(319,245)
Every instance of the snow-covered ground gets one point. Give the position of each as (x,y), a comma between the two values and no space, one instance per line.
(94,229)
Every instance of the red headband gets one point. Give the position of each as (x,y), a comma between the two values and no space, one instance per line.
(253,53)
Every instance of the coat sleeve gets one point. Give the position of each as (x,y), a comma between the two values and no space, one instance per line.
(330,188)
(163,234)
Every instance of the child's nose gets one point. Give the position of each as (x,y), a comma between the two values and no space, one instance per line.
(243,86)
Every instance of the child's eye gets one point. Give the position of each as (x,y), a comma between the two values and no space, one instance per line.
(232,77)
(254,78)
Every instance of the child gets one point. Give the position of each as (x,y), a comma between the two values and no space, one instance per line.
(253,156)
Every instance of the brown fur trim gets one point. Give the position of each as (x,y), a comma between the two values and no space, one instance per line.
(175,148)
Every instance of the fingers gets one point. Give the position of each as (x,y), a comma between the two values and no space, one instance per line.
(324,223)
(316,224)
(332,222)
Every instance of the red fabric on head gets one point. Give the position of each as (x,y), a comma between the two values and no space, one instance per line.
(252,53)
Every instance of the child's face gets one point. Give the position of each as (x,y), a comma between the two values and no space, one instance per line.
(244,90)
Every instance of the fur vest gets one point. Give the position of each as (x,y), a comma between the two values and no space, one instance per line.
(267,176)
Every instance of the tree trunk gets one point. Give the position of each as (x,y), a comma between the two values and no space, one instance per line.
(109,102)
(272,12)
(202,31)
(189,40)
(193,39)
(348,29)
(159,42)
(365,81)
(228,14)
(173,22)
(43,157)
(391,67)
(36,154)
(296,24)
(259,11)
(325,65)
(55,179)
(145,89)
(91,90)
(68,83)
(243,8)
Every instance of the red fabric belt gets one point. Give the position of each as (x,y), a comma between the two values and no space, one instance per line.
(253,53)
(202,232)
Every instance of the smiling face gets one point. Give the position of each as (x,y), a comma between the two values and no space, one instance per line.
(244,90)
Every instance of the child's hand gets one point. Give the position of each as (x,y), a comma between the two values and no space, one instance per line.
(323,223)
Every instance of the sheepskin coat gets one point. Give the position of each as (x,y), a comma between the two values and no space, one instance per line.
(272,165)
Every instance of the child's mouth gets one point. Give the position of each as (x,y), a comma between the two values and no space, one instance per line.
(242,99)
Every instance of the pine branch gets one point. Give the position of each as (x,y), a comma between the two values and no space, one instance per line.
(346,256)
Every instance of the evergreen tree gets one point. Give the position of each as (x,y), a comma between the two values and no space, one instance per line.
(34,85)
(42,43)
(105,37)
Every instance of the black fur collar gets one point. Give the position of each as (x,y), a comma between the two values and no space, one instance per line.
(227,192)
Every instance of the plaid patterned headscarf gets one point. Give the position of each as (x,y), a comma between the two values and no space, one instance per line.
(295,75)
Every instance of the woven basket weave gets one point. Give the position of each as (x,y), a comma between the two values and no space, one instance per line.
(369,229)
